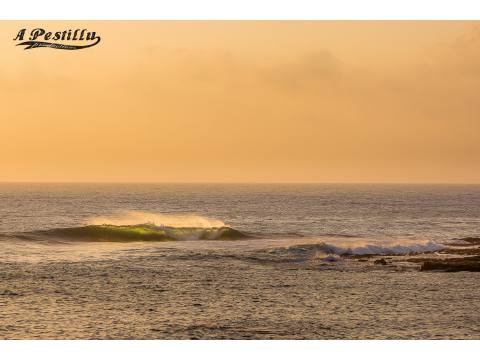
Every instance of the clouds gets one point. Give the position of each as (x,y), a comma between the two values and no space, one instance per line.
(252,102)
(316,110)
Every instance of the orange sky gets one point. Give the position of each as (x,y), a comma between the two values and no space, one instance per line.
(244,102)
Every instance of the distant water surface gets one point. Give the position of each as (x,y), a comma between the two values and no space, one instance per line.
(434,212)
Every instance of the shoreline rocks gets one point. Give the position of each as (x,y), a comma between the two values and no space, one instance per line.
(452,265)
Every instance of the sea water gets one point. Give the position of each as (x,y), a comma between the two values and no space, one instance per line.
(285,276)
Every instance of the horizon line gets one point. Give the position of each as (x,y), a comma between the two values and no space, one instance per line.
(243,182)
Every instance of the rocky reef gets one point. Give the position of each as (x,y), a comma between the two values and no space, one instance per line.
(469,250)
(453,265)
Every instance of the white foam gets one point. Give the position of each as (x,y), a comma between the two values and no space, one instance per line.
(383,249)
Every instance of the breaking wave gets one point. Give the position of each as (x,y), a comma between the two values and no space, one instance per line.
(142,232)
(143,226)
(364,249)
(374,249)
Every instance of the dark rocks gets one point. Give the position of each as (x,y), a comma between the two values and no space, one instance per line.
(380,262)
(452,265)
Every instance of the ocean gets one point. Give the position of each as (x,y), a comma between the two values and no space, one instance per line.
(254,261)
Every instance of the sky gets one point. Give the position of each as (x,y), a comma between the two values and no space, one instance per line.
(244,101)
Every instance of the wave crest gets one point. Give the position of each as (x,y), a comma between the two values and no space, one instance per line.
(143,232)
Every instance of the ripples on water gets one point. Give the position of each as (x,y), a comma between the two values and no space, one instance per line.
(275,283)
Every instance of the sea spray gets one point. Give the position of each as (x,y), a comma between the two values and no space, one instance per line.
(169,220)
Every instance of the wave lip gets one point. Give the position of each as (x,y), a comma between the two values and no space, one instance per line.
(142,232)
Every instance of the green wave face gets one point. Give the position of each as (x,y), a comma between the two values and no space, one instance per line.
(144,232)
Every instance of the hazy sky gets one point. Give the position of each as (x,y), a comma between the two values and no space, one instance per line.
(244,102)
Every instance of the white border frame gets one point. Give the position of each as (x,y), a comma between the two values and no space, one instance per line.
(241,9)
(238,350)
